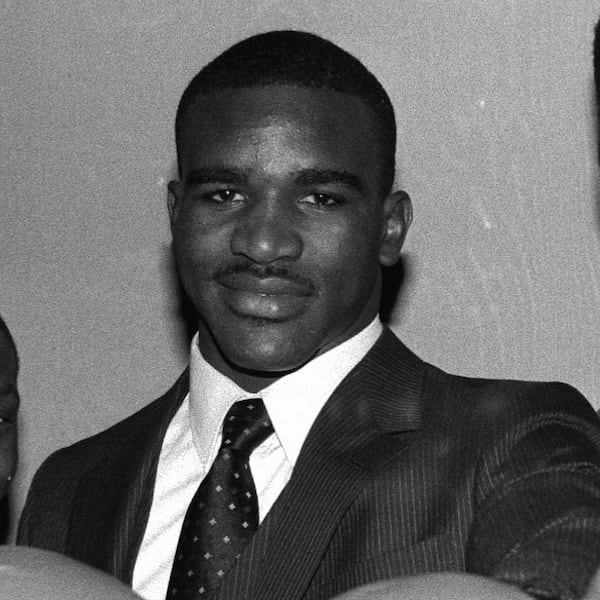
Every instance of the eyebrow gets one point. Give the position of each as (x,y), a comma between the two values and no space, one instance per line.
(235,176)
(216,175)
(328,176)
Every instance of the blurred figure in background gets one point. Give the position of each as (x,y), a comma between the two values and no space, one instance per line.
(9,405)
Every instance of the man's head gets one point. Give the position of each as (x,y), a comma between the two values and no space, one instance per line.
(9,404)
(283,213)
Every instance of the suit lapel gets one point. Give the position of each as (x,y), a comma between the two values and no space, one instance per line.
(348,440)
(113,498)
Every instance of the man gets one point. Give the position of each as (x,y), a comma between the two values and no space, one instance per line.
(378,465)
(9,405)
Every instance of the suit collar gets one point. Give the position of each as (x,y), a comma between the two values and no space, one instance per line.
(392,384)
(293,401)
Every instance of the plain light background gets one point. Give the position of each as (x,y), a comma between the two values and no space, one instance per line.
(496,146)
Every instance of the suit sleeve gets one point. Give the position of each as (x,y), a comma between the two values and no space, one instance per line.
(44,520)
(537,494)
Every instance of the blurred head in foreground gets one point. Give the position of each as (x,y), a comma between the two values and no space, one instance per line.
(434,586)
(32,574)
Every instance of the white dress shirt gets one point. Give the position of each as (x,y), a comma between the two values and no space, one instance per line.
(194,436)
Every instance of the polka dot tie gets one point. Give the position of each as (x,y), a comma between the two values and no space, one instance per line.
(223,514)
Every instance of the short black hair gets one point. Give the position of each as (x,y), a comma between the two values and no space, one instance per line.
(301,59)
(5,331)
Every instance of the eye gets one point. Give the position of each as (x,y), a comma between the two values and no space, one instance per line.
(322,200)
(225,196)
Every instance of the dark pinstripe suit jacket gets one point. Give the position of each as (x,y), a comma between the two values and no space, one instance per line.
(406,470)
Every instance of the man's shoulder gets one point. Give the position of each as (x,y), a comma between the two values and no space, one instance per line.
(487,399)
(493,401)
(44,519)
(392,370)
(134,429)
(501,394)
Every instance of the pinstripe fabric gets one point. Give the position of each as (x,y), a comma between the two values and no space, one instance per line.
(98,491)
(406,470)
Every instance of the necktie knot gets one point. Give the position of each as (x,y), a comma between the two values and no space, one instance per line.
(246,426)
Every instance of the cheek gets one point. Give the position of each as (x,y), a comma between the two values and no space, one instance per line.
(350,255)
(195,245)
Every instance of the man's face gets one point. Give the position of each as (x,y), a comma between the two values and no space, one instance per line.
(9,404)
(278,224)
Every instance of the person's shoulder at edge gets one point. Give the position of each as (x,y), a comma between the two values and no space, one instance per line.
(58,476)
(493,400)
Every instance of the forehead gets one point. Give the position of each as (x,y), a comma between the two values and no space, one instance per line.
(330,125)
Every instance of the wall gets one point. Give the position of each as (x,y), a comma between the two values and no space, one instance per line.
(496,147)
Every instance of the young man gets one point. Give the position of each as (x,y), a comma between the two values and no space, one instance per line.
(367,463)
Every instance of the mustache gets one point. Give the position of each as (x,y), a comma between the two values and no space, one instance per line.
(265,272)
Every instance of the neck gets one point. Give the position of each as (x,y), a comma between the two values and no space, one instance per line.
(254,381)
(249,380)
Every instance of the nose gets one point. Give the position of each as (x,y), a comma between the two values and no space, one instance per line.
(266,233)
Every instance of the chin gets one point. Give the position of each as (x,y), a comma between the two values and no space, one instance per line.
(267,363)
(262,356)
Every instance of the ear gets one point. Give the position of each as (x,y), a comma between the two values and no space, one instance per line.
(397,214)
(174,200)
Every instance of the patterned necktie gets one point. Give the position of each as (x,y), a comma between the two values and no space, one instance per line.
(223,514)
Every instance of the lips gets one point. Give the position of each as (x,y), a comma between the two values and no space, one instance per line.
(270,286)
(272,298)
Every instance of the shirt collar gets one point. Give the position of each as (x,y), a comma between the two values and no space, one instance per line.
(293,401)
